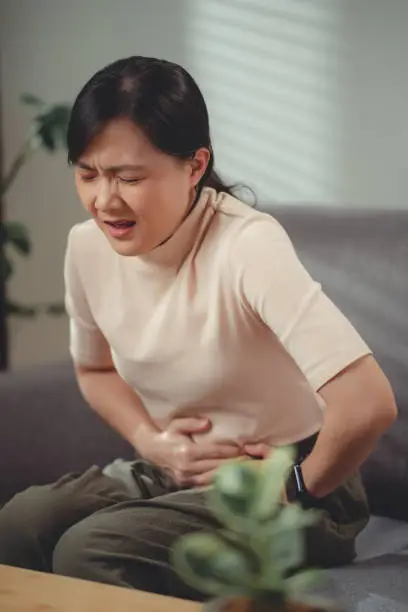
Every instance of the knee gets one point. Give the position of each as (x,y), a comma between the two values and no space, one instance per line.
(77,552)
(25,512)
(23,520)
(94,550)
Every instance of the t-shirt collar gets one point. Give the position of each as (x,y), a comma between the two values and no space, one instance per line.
(173,252)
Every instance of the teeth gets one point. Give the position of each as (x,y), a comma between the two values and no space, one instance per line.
(122,224)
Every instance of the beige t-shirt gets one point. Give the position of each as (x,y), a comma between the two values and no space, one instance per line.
(221,321)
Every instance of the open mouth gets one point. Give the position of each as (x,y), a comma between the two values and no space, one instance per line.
(120,229)
(120,224)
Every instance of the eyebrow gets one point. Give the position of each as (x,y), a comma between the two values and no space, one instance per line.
(121,168)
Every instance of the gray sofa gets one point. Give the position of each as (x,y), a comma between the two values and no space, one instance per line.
(360,257)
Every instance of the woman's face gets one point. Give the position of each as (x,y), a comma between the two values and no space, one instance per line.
(137,194)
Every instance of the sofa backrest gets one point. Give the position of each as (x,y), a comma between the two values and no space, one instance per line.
(47,430)
(361,257)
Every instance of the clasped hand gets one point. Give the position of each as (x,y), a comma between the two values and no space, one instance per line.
(189,463)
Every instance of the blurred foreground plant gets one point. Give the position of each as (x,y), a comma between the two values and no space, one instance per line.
(253,561)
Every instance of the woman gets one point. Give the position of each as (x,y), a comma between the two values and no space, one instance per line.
(198,335)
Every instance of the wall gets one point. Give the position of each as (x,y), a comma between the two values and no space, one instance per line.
(50,48)
(270,71)
(375,94)
(307,98)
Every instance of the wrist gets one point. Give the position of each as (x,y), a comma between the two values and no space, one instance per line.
(311,479)
(142,435)
(297,488)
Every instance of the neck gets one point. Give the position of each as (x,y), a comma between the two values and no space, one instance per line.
(193,201)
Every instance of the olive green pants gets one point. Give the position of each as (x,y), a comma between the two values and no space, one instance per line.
(89,526)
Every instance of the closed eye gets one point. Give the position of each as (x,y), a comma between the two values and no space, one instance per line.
(129,181)
(88,177)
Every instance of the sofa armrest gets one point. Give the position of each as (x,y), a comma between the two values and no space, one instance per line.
(47,430)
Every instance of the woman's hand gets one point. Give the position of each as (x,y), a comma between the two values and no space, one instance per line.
(259,450)
(189,463)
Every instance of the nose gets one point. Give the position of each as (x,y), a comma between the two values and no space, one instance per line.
(105,195)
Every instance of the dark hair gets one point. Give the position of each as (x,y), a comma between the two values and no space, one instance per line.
(160,97)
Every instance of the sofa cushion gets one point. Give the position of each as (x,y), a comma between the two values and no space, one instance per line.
(374,585)
(360,257)
(378,579)
(47,429)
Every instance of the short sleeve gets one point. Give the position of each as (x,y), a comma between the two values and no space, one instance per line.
(273,282)
(88,345)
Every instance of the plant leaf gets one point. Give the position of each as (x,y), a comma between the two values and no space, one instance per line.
(6,267)
(271,580)
(18,235)
(45,135)
(207,563)
(55,309)
(286,551)
(232,496)
(283,543)
(31,100)
(51,126)
(294,517)
(274,475)
(19,310)
(303,581)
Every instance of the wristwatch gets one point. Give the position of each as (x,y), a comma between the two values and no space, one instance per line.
(296,490)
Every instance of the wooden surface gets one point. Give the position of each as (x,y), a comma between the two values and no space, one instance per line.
(26,591)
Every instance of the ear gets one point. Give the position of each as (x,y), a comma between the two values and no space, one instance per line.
(199,165)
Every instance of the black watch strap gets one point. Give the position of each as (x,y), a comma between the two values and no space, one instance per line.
(296,490)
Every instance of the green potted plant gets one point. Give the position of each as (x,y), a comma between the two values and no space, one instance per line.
(252,562)
(47,131)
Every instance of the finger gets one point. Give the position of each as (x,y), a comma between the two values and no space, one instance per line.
(181,479)
(206,465)
(207,476)
(187,475)
(258,450)
(205,479)
(189,425)
(215,451)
